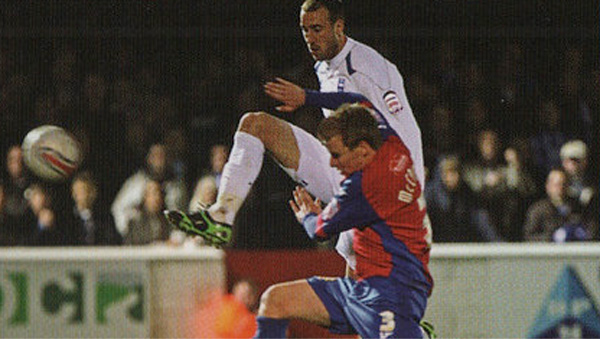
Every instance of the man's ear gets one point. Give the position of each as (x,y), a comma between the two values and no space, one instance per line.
(338,28)
(365,148)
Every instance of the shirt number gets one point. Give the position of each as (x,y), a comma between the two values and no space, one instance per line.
(387,324)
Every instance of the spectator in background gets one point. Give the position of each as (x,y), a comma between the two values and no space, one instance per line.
(218,157)
(131,194)
(175,141)
(147,225)
(16,183)
(581,187)
(520,190)
(546,140)
(452,206)
(439,134)
(484,176)
(209,181)
(46,229)
(10,233)
(205,193)
(206,189)
(106,156)
(553,218)
(475,118)
(94,226)
(230,315)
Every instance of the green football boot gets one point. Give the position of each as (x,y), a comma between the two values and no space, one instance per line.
(201,224)
(428,329)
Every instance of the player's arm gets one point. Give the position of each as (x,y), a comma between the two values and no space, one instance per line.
(350,273)
(293,96)
(333,100)
(347,210)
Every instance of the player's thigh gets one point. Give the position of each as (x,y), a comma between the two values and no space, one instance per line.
(276,135)
(314,171)
(294,300)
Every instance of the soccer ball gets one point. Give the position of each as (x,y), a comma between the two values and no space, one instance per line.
(51,153)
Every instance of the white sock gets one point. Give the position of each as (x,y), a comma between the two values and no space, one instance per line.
(240,172)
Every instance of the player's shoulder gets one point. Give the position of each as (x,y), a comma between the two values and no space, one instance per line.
(352,184)
(320,66)
(365,60)
(392,157)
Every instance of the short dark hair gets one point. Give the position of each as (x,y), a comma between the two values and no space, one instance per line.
(355,123)
(334,7)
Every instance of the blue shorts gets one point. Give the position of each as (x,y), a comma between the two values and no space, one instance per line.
(360,307)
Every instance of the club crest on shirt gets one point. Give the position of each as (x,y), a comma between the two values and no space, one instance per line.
(398,163)
(341,84)
(392,102)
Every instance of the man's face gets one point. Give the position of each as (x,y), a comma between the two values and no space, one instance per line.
(323,38)
(14,162)
(555,185)
(488,145)
(574,166)
(157,158)
(83,193)
(343,158)
(451,178)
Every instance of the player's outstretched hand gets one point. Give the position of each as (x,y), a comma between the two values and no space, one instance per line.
(291,95)
(304,204)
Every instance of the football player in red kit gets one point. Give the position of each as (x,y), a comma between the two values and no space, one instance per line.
(381,199)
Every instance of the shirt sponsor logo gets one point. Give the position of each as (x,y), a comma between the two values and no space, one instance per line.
(392,102)
(398,163)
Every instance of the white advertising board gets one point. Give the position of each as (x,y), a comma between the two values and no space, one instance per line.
(515,291)
(74,299)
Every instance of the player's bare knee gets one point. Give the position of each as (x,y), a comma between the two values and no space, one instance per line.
(254,123)
(272,303)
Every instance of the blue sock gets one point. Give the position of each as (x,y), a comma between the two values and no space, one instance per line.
(271,328)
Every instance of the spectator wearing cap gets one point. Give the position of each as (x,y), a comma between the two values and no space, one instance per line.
(582,187)
(574,158)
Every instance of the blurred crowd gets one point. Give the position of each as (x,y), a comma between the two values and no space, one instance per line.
(508,131)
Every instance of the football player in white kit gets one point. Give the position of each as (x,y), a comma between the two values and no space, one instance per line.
(342,65)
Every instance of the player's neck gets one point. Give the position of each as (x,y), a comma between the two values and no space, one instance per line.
(341,46)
